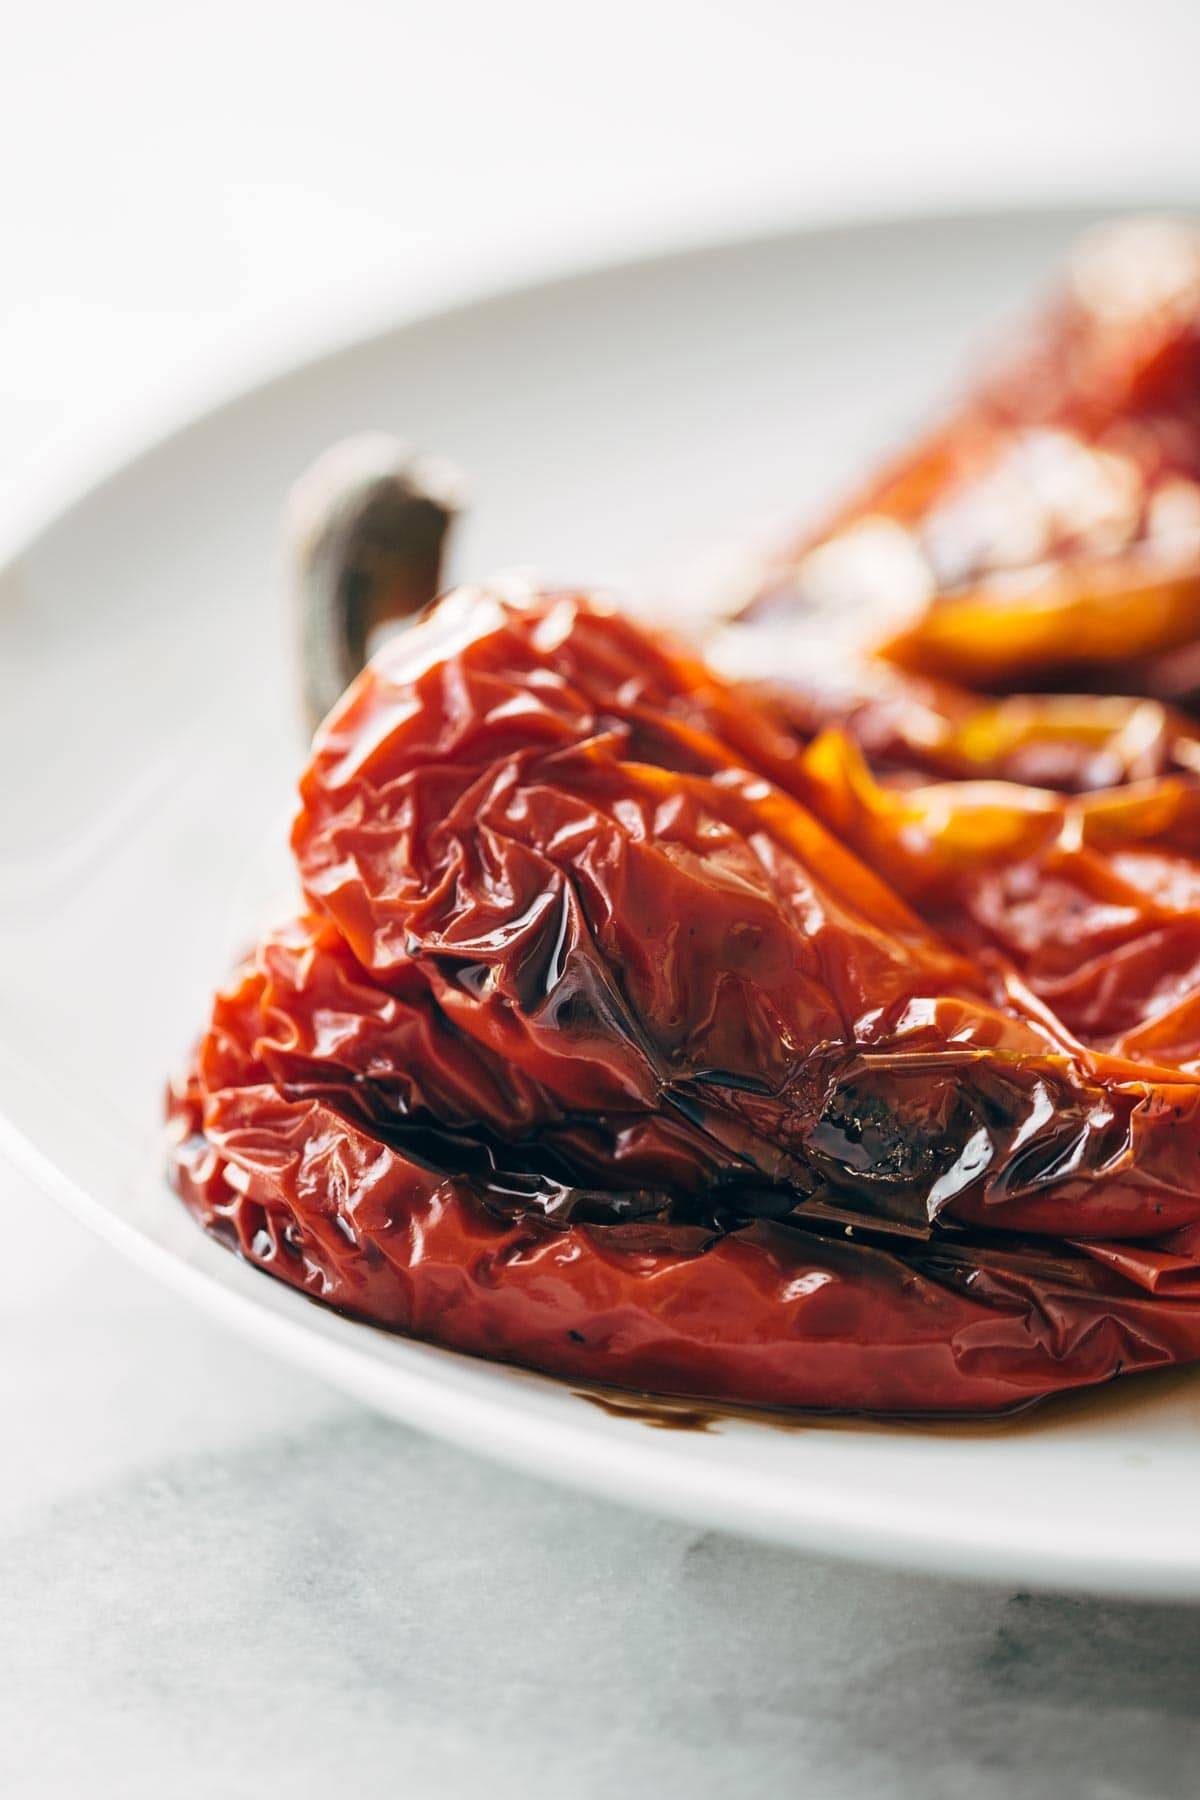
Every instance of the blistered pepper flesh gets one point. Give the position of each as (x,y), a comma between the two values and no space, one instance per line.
(639,1030)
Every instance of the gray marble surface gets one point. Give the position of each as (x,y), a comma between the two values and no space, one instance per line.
(220,1579)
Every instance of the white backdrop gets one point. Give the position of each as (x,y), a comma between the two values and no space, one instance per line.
(186,188)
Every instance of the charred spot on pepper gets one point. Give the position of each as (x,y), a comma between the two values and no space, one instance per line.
(897,1135)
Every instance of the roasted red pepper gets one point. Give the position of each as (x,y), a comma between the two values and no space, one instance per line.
(1045,534)
(827,1040)
(637,1034)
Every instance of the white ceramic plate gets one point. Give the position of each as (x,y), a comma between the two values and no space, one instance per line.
(613,424)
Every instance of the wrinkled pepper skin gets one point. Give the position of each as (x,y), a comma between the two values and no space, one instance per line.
(640,1030)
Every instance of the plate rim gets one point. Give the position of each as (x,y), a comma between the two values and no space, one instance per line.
(256,360)
(324,1344)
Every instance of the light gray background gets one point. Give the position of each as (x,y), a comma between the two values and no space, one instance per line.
(217,1579)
